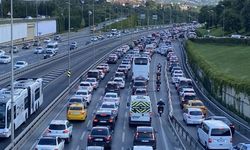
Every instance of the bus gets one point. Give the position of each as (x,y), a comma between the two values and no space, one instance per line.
(140,68)
(28,97)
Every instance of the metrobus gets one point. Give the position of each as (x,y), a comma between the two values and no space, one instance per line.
(140,68)
(27,96)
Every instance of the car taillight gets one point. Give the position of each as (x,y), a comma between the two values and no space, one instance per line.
(108,138)
(48,131)
(95,120)
(110,120)
(89,137)
(66,131)
(136,135)
(209,140)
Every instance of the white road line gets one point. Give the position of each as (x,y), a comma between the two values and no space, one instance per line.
(88,123)
(123,136)
(82,136)
(78,147)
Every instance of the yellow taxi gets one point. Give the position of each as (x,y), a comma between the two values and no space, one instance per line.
(196,104)
(77,111)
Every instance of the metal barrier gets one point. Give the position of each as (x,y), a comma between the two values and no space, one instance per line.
(177,127)
(240,125)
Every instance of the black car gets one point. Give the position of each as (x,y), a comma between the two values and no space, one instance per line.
(104,118)
(223,119)
(100,136)
(112,87)
(145,136)
(26,46)
(139,84)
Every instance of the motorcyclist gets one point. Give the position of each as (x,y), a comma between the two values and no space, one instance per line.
(158,84)
(160,105)
(159,67)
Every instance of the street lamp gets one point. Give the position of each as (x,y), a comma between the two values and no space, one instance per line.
(82,2)
(89,13)
(68,72)
(223,20)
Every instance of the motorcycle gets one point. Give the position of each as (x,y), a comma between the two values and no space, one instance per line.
(160,110)
(158,86)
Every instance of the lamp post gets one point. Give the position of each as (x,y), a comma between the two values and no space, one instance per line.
(82,2)
(223,20)
(69,26)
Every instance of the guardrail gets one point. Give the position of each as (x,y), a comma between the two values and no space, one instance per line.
(243,128)
(22,137)
(177,127)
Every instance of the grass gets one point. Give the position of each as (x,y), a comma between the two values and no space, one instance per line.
(230,60)
(213,32)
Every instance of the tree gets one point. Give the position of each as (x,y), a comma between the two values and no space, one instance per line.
(245,13)
(232,21)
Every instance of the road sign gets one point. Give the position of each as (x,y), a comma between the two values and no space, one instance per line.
(155,17)
(68,73)
(142,16)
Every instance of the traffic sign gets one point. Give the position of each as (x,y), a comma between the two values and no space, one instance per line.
(68,73)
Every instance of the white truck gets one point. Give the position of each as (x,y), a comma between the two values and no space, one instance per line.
(140,110)
(140,68)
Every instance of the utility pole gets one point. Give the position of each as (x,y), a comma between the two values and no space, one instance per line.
(69,26)
(12,76)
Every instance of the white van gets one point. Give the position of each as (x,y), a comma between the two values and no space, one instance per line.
(53,46)
(215,134)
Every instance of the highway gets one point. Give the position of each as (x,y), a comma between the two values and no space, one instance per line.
(123,134)
(178,113)
(55,79)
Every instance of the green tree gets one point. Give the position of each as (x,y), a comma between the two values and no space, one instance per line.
(232,21)
(245,13)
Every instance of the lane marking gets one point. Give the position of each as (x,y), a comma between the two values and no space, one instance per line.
(78,147)
(123,136)
(82,136)
(88,123)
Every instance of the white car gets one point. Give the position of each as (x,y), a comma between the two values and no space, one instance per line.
(93,81)
(85,94)
(106,67)
(112,96)
(2,52)
(110,106)
(120,81)
(39,50)
(101,68)
(193,116)
(5,59)
(127,63)
(50,143)
(140,147)
(175,77)
(86,85)
(186,90)
(178,72)
(60,128)
(20,64)
(47,40)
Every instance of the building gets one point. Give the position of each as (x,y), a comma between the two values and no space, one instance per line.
(26,29)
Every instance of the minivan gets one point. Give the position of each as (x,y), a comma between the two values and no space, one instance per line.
(215,134)
(94,74)
(52,46)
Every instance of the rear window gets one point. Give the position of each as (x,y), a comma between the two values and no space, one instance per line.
(110,95)
(75,100)
(197,104)
(189,97)
(75,108)
(140,84)
(108,106)
(103,116)
(57,127)
(195,113)
(47,142)
(145,135)
(220,132)
(81,93)
(99,132)
(112,86)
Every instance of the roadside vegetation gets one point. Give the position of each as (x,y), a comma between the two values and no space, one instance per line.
(233,15)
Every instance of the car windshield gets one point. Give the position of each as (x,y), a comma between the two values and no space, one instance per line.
(112,86)
(90,80)
(57,127)
(2,115)
(197,104)
(220,132)
(117,80)
(84,84)
(47,142)
(195,113)
(108,106)
(99,132)
(75,108)
(75,100)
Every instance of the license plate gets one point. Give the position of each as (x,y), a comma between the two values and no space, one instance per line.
(135,117)
(145,140)
(103,121)
(221,140)
(76,113)
(98,139)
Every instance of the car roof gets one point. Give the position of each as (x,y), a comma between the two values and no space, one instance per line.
(95,148)
(108,102)
(58,121)
(82,90)
(195,101)
(142,147)
(144,129)
(107,111)
(216,124)
(111,93)
(100,127)
(217,117)
(118,78)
